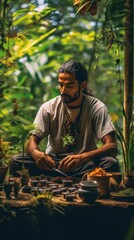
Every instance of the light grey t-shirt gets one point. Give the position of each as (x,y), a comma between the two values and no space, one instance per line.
(95,122)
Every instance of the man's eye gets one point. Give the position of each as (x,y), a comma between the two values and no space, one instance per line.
(69,86)
(65,86)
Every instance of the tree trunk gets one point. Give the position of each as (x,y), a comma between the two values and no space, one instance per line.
(128,68)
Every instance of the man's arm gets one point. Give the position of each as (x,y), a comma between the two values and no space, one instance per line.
(109,148)
(32,145)
(42,160)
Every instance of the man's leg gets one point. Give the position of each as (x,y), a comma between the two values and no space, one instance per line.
(16,165)
(29,163)
(81,170)
(109,164)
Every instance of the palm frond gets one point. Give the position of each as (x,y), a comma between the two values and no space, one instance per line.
(127,148)
(29,216)
(122,142)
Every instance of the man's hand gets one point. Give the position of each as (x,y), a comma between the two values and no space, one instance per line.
(42,160)
(70,162)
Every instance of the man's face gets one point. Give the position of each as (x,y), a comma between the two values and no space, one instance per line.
(69,87)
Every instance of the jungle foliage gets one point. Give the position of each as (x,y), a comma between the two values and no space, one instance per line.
(38,36)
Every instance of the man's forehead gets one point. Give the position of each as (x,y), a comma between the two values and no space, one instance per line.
(67,77)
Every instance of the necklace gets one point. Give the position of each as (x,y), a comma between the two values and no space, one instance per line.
(71,130)
(73,113)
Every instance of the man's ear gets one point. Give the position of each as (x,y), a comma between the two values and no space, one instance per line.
(83,85)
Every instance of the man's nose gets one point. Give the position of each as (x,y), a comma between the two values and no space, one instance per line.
(63,89)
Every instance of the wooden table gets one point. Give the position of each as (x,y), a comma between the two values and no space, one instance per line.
(104,219)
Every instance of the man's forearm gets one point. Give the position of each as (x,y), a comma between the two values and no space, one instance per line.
(106,150)
(42,160)
(32,146)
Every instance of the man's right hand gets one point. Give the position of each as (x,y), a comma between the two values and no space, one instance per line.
(42,160)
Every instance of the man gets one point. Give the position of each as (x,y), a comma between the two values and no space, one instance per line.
(73,122)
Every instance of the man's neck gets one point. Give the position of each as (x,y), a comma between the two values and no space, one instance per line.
(77,104)
(73,107)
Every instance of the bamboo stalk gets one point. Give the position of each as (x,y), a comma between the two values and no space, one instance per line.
(128,70)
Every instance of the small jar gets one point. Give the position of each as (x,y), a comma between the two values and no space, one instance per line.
(67,183)
(88,191)
(8,186)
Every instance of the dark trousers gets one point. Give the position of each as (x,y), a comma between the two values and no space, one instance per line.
(108,163)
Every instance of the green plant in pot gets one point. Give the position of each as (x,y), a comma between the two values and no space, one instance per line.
(4,157)
(128,154)
(22,131)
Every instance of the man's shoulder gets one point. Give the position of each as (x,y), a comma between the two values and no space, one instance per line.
(96,107)
(52,105)
(94,102)
(53,101)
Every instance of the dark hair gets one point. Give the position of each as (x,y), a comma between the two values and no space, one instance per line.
(79,70)
(76,68)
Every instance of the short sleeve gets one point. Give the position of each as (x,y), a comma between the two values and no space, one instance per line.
(42,123)
(102,122)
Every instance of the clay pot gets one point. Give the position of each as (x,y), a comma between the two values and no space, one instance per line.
(8,186)
(88,191)
(16,188)
(67,183)
(3,172)
(26,189)
(103,182)
(128,181)
(117,176)
(115,181)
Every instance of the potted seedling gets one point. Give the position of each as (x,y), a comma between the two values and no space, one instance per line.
(22,131)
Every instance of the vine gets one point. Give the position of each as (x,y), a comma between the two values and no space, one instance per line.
(8,104)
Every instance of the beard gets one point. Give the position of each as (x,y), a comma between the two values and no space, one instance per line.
(69,99)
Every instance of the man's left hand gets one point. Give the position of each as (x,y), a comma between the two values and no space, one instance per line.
(69,163)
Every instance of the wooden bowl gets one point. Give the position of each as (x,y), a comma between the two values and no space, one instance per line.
(117,176)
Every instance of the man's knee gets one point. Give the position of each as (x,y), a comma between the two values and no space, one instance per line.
(16,163)
(110,164)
